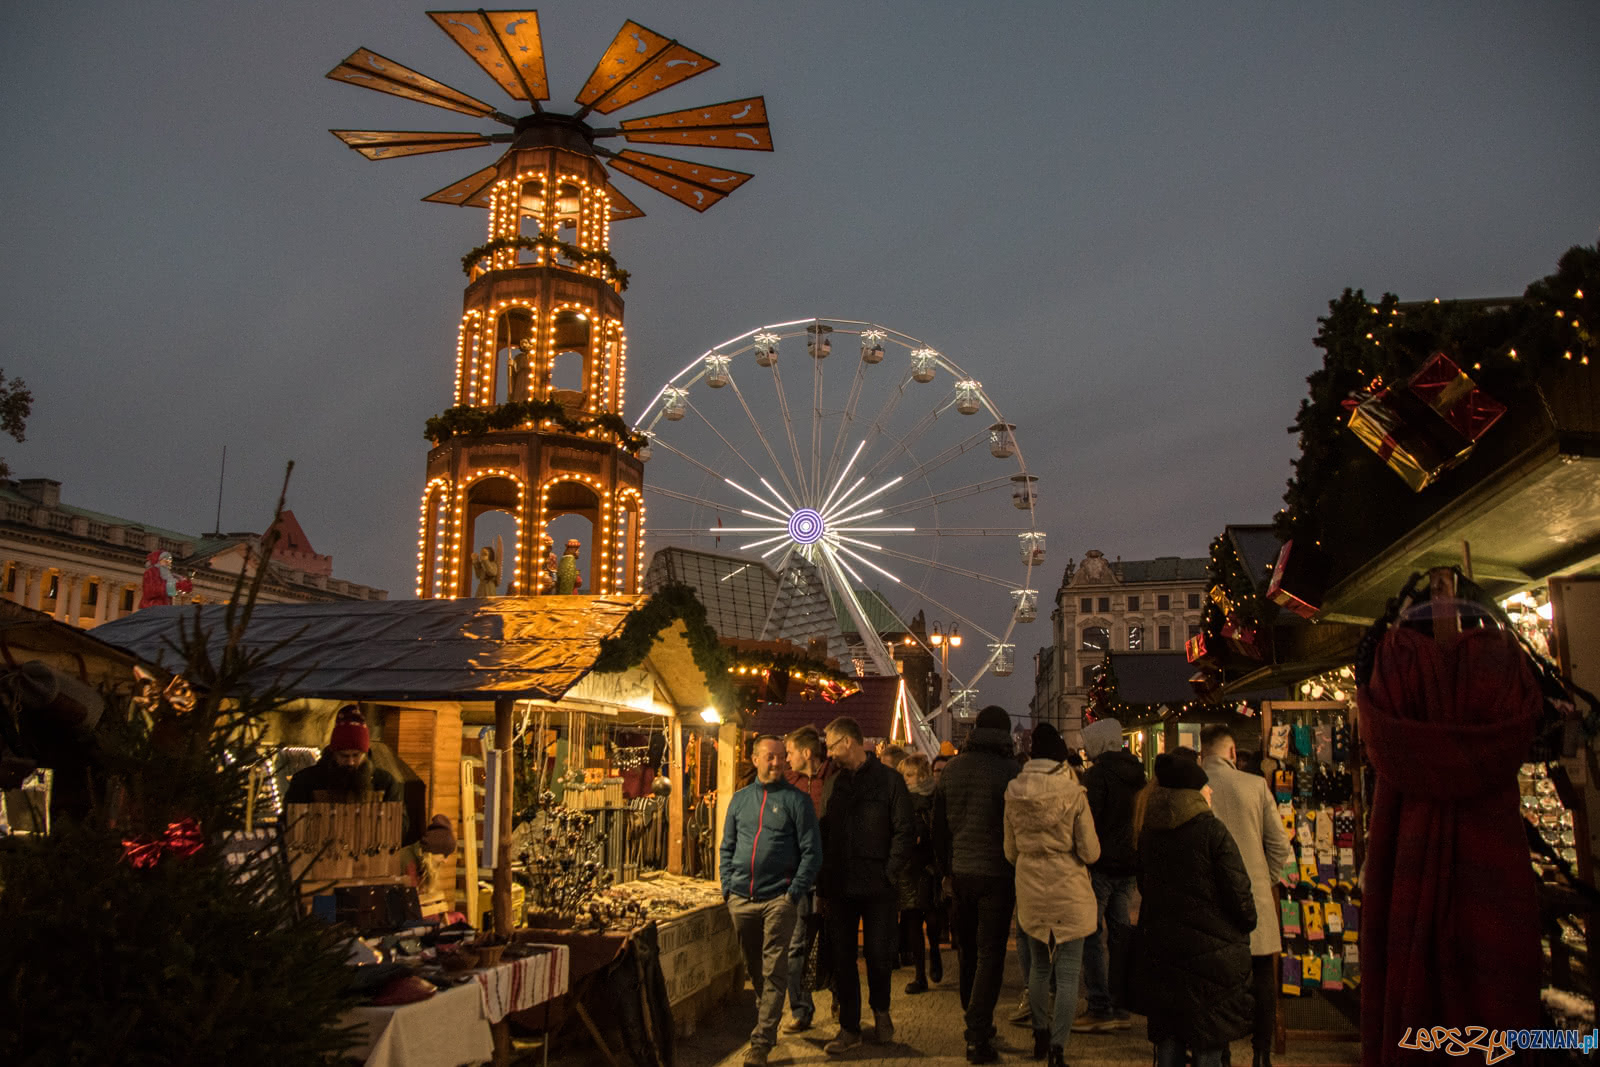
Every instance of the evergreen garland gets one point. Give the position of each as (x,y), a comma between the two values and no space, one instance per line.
(1366,345)
(674,602)
(552,246)
(465,421)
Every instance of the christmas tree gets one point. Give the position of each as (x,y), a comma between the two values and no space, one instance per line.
(126,935)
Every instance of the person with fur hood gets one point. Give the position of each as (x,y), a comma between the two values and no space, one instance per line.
(1050,837)
(1196,913)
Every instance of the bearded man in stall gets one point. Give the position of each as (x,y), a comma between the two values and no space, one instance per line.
(345,774)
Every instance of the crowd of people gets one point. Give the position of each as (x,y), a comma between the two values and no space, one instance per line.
(837,851)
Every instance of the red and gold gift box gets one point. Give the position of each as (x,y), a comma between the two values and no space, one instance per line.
(1427,427)
(1200,651)
(1241,637)
(1299,578)
(1455,397)
(1219,596)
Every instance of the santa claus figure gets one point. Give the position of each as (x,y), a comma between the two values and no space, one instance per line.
(161,586)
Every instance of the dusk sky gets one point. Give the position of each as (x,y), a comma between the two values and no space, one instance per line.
(1123,218)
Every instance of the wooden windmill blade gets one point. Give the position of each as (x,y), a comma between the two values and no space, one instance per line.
(697,184)
(393,144)
(506,44)
(735,124)
(638,63)
(369,70)
(621,206)
(470,191)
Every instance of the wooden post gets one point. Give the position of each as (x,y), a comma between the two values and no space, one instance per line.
(502,862)
(677,799)
(1442,587)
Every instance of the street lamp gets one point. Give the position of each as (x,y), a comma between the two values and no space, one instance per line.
(944,643)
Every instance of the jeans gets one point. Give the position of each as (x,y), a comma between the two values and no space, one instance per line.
(875,916)
(1060,962)
(983,925)
(763,931)
(1113,893)
(1169,1053)
(801,1006)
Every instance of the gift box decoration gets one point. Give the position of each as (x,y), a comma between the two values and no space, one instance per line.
(1455,397)
(1201,651)
(1219,596)
(1299,578)
(1205,682)
(1427,427)
(1241,637)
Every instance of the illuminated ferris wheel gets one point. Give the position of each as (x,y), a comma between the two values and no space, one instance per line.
(888,475)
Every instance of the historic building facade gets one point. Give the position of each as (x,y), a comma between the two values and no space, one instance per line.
(85,568)
(1103,606)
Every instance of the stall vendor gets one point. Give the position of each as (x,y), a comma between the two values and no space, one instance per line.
(345,774)
(422,856)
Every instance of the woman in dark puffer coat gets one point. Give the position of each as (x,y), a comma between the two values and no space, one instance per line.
(1195,920)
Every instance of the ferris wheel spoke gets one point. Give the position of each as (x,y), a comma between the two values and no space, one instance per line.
(668,445)
(788,426)
(846,420)
(727,443)
(756,425)
(699,501)
(960,448)
(875,429)
(816,414)
(927,562)
(911,436)
(935,499)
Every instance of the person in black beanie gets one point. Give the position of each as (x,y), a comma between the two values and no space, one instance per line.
(968,831)
(1196,915)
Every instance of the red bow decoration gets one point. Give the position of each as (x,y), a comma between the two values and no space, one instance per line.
(182,838)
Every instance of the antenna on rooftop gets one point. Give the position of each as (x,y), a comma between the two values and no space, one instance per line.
(216,530)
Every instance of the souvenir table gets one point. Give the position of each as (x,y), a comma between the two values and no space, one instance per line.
(457,1025)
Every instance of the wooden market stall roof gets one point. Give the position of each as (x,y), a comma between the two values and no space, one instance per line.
(26,634)
(463,650)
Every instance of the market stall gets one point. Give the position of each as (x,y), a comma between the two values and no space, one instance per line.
(575,741)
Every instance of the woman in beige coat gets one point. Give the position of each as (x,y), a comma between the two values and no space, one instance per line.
(1049,836)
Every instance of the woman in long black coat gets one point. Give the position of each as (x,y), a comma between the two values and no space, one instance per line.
(1195,918)
(918,888)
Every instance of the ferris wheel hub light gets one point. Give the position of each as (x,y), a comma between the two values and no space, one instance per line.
(806,527)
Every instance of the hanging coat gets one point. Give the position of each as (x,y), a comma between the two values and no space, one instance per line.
(1450,916)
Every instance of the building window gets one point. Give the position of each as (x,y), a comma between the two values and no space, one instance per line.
(1096,639)
(55,587)
(1105,603)
(127,600)
(1163,638)
(1086,604)
(1194,629)
(1133,602)
(11,577)
(1194,601)
(1135,638)
(91,594)
(1163,602)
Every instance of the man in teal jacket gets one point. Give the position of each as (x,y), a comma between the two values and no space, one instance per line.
(771,853)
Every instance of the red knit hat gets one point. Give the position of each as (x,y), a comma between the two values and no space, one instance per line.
(350,731)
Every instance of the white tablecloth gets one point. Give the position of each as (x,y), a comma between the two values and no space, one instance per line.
(451,1027)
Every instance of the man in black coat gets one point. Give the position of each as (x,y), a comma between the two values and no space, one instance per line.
(969,807)
(1112,782)
(1196,912)
(867,838)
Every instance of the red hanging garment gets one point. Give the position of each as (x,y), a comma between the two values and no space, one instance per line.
(1450,912)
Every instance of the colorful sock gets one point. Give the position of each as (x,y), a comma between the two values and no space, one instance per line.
(1322,743)
(1332,972)
(1352,921)
(1291,976)
(1302,739)
(1289,910)
(1333,917)
(1311,915)
(1278,743)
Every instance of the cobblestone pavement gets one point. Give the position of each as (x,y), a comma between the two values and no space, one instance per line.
(928,1033)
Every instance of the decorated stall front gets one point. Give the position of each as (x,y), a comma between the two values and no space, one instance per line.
(574,746)
(1443,514)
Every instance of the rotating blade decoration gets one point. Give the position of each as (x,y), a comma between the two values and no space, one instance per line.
(735,124)
(509,47)
(506,44)
(697,184)
(638,63)
(393,144)
(369,70)
(470,191)
(621,206)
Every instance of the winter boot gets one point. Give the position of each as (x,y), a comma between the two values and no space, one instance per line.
(1041,1044)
